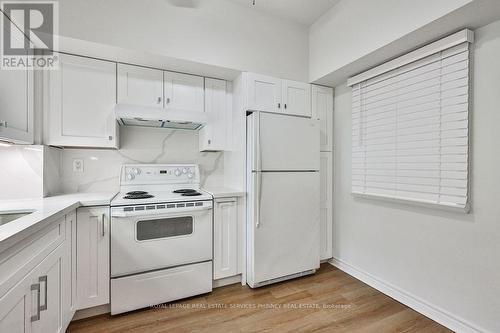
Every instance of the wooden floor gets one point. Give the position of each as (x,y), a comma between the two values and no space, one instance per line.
(329,301)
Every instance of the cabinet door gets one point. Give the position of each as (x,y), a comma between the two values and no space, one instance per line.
(69,273)
(213,135)
(297,98)
(16,106)
(92,256)
(326,205)
(322,106)
(264,93)
(17,306)
(49,276)
(79,112)
(183,92)
(225,238)
(140,86)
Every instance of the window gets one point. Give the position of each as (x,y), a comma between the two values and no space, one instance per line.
(410,133)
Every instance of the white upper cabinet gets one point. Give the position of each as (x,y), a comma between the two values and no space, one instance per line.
(213,136)
(16,106)
(140,86)
(322,107)
(16,103)
(296,98)
(326,205)
(264,93)
(79,105)
(183,92)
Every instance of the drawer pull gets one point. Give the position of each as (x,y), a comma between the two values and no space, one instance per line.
(36,287)
(44,280)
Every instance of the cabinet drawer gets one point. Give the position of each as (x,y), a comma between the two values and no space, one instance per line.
(143,290)
(20,259)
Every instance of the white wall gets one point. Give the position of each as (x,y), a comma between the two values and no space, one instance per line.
(219,32)
(138,145)
(355,28)
(451,261)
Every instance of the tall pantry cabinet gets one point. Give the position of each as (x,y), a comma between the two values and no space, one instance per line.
(322,109)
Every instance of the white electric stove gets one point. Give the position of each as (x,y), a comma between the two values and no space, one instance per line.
(161,236)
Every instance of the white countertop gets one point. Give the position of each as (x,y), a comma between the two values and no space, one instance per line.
(224,192)
(45,209)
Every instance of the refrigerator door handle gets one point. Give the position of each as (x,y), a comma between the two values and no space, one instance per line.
(257,141)
(258,191)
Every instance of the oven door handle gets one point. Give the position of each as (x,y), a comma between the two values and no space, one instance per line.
(154,212)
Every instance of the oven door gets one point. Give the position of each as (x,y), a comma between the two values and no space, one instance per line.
(145,240)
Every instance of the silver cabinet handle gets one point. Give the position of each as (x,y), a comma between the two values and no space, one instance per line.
(159,100)
(168,100)
(43,279)
(279,105)
(3,123)
(102,221)
(36,287)
(285,106)
(225,202)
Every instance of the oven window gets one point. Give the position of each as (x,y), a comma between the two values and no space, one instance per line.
(163,228)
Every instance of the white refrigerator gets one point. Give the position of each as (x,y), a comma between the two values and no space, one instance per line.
(283,212)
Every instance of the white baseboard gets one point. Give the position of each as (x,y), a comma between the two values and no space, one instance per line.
(433,312)
(92,312)
(226,281)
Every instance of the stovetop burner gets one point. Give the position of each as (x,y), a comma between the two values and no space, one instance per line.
(137,193)
(138,196)
(191,194)
(185,190)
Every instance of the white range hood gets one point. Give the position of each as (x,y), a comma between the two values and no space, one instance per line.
(137,115)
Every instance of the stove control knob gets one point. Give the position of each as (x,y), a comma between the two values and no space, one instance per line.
(177,172)
(190,175)
(130,176)
(184,171)
(137,171)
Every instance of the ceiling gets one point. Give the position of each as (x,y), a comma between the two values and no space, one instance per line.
(304,12)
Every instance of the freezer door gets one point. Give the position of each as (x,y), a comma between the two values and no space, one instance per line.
(287,142)
(283,225)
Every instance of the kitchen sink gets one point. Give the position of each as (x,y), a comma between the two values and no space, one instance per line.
(6,217)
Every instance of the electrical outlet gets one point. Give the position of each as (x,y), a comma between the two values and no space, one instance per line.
(77,165)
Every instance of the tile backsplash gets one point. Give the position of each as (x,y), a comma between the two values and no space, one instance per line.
(29,171)
(101,168)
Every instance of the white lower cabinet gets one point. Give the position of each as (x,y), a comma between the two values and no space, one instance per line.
(49,279)
(36,302)
(225,238)
(69,299)
(34,305)
(16,307)
(92,259)
(326,205)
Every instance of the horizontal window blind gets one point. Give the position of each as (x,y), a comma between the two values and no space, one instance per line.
(410,132)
